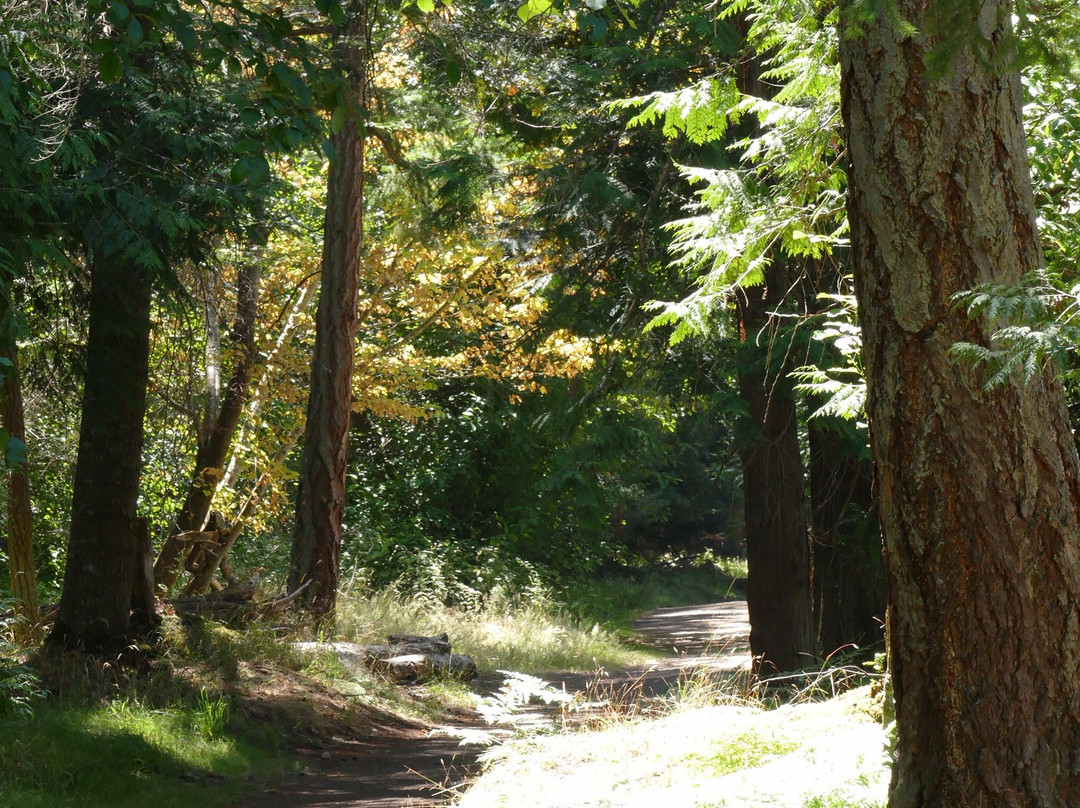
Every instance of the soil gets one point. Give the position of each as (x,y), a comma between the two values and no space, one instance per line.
(352,756)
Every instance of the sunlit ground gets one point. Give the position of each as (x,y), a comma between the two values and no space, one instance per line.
(816,755)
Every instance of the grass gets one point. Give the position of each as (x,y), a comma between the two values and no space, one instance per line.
(168,733)
(430,704)
(811,755)
(743,750)
(153,730)
(615,599)
(532,634)
(581,627)
(126,754)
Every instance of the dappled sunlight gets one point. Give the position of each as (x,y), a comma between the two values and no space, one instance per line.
(793,757)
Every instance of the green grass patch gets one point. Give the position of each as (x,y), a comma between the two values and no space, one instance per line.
(742,751)
(222,649)
(124,754)
(841,799)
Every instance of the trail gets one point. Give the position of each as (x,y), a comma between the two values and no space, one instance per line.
(415,767)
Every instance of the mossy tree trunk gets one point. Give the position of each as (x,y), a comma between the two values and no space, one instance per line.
(978,489)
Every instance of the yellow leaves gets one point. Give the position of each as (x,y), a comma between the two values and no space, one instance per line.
(387,407)
(393,70)
(451,310)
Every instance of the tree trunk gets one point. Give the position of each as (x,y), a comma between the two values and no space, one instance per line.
(777,548)
(777,545)
(20,533)
(103,545)
(212,381)
(847,570)
(216,442)
(320,498)
(978,490)
(214,557)
(848,575)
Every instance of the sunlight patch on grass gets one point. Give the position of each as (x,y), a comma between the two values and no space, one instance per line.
(528,634)
(743,751)
(124,755)
(802,756)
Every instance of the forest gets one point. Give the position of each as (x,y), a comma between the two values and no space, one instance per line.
(491,307)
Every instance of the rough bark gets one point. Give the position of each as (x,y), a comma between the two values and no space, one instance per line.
(777,547)
(103,544)
(978,490)
(216,441)
(20,522)
(320,498)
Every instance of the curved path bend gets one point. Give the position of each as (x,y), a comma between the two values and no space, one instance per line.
(418,768)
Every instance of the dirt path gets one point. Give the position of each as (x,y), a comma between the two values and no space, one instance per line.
(413,767)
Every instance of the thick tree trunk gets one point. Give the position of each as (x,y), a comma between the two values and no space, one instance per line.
(777,548)
(20,522)
(848,575)
(320,498)
(216,442)
(103,545)
(978,490)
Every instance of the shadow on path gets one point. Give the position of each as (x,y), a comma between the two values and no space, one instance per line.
(416,768)
(384,773)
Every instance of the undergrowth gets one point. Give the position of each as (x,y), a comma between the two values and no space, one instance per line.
(579,626)
(124,754)
(530,633)
(135,730)
(163,728)
(614,599)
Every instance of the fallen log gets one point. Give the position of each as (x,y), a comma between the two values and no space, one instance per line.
(413,668)
(407,659)
(235,602)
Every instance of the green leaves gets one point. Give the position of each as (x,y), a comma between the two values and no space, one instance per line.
(786,191)
(839,380)
(1034,326)
(332,9)
(14,450)
(110,67)
(533,8)
(251,168)
(337,119)
(701,111)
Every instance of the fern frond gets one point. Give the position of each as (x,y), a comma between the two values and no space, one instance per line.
(701,111)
